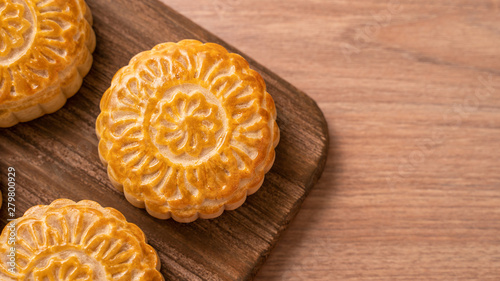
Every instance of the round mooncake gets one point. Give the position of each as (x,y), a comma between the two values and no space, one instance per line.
(187,130)
(45,51)
(76,241)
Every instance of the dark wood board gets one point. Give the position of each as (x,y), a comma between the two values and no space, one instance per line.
(56,156)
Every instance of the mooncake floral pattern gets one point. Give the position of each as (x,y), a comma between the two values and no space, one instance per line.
(70,269)
(187,124)
(13,26)
(187,129)
(77,241)
(46,46)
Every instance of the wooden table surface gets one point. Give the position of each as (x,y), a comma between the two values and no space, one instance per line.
(411,91)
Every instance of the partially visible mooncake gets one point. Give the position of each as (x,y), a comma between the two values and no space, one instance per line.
(187,130)
(75,241)
(45,51)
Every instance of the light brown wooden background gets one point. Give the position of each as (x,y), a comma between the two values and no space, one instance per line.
(411,91)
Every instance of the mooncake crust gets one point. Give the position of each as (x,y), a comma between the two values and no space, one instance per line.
(48,51)
(187,130)
(77,241)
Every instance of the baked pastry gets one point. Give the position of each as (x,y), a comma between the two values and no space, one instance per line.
(76,241)
(187,130)
(45,51)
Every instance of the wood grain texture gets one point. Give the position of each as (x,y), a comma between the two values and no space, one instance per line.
(411,190)
(56,156)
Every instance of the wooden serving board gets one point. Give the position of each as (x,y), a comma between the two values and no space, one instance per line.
(56,156)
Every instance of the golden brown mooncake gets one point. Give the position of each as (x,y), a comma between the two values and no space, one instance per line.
(45,51)
(187,130)
(76,241)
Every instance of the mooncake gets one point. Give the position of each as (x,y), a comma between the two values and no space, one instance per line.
(75,241)
(187,130)
(45,51)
